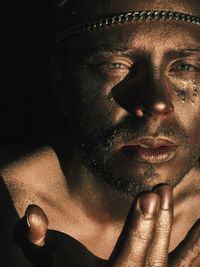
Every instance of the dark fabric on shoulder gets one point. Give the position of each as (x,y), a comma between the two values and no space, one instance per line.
(66,250)
(72,252)
(10,253)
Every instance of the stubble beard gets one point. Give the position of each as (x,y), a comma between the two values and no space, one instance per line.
(97,155)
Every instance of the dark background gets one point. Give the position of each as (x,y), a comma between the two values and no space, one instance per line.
(28,112)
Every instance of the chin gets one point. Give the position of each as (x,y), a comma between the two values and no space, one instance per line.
(126,175)
(129,177)
(133,181)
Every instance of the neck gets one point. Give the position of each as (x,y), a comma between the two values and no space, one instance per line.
(99,200)
(186,206)
(186,192)
(106,210)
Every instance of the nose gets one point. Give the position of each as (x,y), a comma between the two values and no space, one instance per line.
(159,108)
(145,97)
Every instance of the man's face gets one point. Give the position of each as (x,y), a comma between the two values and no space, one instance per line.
(117,72)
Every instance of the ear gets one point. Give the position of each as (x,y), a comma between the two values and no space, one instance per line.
(57,81)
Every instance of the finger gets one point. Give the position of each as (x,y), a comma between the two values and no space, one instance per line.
(157,254)
(137,233)
(32,236)
(37,224)
(188,250)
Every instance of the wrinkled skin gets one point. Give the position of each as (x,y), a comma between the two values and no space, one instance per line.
(120,84)
(166,81)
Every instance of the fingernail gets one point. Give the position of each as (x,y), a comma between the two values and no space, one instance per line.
(149,205)
(166,195)
(37,223)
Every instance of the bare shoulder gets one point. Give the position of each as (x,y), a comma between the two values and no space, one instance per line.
(33,178)
(29,167)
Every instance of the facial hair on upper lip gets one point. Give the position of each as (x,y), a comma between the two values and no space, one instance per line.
(123,133)
(100,149)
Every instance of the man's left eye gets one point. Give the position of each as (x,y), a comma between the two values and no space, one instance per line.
(185,67)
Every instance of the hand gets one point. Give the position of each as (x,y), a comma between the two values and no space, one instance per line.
(144,241)
(49,248)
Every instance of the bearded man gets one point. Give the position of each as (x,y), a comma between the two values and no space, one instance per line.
(127,74)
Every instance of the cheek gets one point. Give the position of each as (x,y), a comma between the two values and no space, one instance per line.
(96,101)
(186,86)
(188,93)
(195,128)
(189,116)
(186,100)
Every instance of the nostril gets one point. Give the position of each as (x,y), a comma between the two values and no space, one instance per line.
(171,108)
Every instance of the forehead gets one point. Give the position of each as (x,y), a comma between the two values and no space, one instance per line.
(165,39)
(149,34)
(152,33)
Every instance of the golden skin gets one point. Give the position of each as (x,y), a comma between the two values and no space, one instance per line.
(150,42)
(90,213)
(158,38)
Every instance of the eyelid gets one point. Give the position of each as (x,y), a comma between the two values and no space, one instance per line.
(184,61)
(109,58)
(120,62)
(117,66)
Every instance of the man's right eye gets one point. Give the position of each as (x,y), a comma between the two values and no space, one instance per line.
(117,65)
(115,68)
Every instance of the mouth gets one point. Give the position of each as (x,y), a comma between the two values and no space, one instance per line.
(151,150)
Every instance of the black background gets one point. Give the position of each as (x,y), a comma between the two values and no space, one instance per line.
(28,112)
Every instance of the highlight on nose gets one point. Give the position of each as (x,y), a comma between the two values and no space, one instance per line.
(158,109)
(139,112)
(162,108)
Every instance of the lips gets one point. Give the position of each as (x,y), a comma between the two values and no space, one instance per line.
(151,150)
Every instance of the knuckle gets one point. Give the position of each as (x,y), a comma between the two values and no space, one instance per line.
(196,249)
(143,236)
(143,232)
(163,227)
(156,261)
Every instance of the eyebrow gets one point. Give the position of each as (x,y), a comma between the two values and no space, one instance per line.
(123,51)
(182,52)
(103,50)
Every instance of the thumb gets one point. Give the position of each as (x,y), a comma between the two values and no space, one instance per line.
(37,224)
(32,235)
